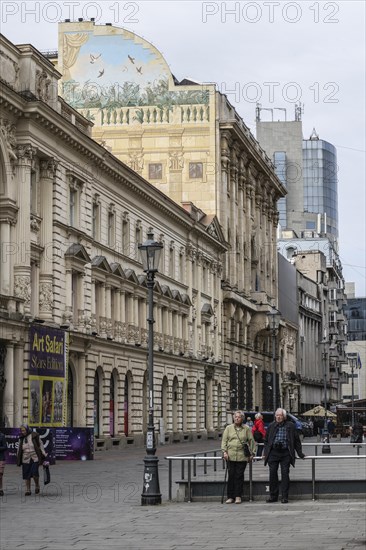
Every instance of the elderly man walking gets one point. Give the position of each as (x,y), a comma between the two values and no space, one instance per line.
(280,443)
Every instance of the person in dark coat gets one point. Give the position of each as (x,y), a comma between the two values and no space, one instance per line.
(280,443)
(2,461)
(30,455)
(356,432)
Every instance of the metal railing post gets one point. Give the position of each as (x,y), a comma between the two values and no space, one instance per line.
(195,466)
(250,481)
(170,469)
(313,477)
(205,464)
(215,466)
(182,468)
(189,481)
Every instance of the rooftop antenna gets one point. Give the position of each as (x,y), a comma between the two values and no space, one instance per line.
(258,110)
(281,109)
(299,109)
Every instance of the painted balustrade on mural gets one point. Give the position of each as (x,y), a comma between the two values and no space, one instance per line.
(127,116)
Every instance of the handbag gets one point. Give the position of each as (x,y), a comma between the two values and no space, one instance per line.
(46,473)
(246,450)
(258,437)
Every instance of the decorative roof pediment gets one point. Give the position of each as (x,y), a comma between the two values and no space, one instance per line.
(101,263)
(77,252)
(116,269)
(213,227)
(186,299)
(177,295)
(207,310)
(131,276)
(166,291)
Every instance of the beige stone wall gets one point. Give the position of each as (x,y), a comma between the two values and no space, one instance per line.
(72,218)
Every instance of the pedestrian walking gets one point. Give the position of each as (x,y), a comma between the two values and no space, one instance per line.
(280,443)
(250,422)
(30,455)
(259,432)
(2,461)
(238,447)
(356,432)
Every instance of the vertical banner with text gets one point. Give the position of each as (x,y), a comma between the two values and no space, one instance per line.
(47,403)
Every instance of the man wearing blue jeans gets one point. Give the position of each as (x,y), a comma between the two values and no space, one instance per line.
(280,443)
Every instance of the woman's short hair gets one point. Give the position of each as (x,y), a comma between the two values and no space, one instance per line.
(239,412)
(258,416)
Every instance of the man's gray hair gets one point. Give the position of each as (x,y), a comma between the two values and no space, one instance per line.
(239,412)
(281,411)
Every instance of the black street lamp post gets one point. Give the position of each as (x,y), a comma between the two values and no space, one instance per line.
(150,255)
(352,360)
(326,446)
(274,317)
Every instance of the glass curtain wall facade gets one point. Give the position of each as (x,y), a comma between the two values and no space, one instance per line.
(320,183)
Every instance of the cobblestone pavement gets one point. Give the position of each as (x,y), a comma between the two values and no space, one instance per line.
(96,505)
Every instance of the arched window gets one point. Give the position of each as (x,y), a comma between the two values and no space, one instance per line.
(70,398)
(198,406)
(96,404)
(185,406)
(112,406)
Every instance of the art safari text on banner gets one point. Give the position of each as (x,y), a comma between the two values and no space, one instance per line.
(47,404)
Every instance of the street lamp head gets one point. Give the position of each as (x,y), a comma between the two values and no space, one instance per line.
(150,252)
(274,317)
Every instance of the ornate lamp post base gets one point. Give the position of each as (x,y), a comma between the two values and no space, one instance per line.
(151,491)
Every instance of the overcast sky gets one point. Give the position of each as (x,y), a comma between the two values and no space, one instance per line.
(273,52)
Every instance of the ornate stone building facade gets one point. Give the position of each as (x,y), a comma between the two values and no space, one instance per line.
(190,143)
(71,218)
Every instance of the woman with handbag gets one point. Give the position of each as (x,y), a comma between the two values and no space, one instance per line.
(259,433)
(238,449)
(31,453)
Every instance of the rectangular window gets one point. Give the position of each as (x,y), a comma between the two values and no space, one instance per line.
(137,241)
(125,236)
(74,296)
(95,221)
(155,171)
(34,194)
(73,206)
(196,170)
(111,229)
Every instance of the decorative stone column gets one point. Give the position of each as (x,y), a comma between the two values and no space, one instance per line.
(18,383)
(22,270)
(81,390)
(8,217)
(48,171)
(9,402)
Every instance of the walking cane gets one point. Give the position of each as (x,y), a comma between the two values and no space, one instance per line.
(225,478)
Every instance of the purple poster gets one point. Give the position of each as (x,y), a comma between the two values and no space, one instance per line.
(74,443)
(12,435)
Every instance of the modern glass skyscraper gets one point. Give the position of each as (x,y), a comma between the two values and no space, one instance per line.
(320,184)
(308,169)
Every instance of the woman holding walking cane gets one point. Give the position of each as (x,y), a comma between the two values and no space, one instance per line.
(238,447)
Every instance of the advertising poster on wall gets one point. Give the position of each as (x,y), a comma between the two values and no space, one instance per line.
(12,435)
(47,402)
(74,443)
(59,443)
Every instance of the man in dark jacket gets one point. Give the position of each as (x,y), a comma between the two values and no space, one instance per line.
(280,443)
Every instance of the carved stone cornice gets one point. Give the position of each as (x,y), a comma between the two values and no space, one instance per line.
(8,211)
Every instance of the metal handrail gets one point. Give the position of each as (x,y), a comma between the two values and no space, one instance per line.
(195,457)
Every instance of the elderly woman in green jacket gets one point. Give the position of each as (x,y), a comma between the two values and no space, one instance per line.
(235,437)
